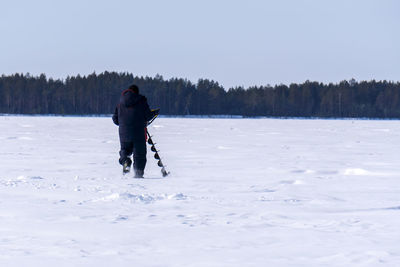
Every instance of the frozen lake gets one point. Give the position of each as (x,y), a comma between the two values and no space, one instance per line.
(242,192)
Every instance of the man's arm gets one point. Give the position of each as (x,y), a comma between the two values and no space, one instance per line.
(115,116)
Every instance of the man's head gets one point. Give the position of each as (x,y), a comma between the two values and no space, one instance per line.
(134,88)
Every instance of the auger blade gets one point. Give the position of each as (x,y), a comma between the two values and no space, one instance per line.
(156,155)
(164,172)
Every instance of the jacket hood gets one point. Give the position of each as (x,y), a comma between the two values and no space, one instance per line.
(129,99)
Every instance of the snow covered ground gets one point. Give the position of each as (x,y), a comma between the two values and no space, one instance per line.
(242,192)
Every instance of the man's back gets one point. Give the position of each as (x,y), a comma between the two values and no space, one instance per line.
(131,115)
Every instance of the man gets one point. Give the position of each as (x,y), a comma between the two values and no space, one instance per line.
(131,115)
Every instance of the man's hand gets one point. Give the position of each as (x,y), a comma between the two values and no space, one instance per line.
(154,113)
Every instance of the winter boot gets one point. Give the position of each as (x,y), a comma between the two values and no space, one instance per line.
(139,173)
(126,167)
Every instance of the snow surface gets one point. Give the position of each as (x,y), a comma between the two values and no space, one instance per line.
(242,192)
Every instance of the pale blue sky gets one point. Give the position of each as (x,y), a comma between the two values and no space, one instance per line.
(236,43)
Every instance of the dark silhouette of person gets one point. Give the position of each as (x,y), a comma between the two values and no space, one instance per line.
(131,115)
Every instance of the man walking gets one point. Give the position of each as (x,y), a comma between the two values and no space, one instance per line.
(131,115)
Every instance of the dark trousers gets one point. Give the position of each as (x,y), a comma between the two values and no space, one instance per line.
(138,148)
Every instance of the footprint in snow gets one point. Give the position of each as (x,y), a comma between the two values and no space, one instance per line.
(36,178)
(121,218)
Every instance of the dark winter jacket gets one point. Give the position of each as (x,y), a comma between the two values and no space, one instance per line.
(132,114)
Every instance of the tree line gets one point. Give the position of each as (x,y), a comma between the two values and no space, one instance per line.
(99,94)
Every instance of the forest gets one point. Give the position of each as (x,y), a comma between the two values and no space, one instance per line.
(99,93)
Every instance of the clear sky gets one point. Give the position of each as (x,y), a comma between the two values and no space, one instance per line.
(237,43)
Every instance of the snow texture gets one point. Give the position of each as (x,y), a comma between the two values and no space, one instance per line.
(242,192)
